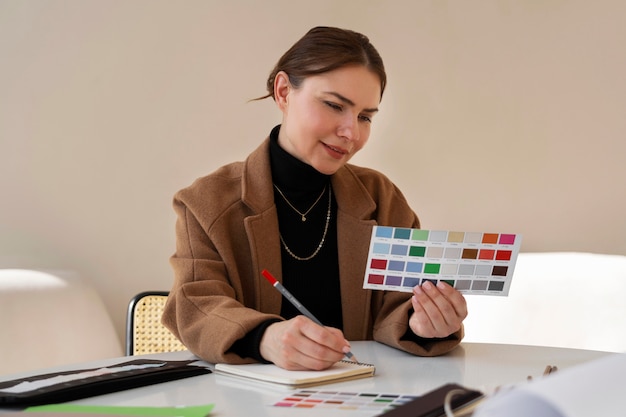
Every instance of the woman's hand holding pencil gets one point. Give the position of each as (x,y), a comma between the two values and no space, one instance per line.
(302,343)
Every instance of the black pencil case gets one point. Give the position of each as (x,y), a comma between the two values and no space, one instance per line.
(84,383)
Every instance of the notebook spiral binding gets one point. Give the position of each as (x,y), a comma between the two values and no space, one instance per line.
(356,363)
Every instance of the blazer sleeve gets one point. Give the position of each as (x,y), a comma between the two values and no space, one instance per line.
(205,308)
(392,328)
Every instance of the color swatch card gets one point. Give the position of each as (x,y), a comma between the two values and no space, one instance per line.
(472,262)
(375,403)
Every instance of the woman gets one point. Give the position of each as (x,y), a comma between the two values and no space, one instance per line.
(297,208)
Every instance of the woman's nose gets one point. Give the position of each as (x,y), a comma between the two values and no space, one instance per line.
(349,128)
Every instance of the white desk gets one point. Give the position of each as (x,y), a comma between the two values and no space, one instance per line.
(474,365)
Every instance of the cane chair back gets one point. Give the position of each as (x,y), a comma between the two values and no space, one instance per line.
(144,332)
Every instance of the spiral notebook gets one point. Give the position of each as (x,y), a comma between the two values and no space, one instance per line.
(341,371)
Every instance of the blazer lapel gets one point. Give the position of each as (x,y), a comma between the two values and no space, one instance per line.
(354,229)
(262,227)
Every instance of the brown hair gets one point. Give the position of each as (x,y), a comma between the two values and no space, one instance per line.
(324,49)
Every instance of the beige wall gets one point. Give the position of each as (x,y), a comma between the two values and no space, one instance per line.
(500,116)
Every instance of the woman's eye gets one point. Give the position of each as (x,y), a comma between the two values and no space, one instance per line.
(366,118)
(333,105)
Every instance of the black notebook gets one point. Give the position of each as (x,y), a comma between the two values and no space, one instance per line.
(71,385)
(432,403)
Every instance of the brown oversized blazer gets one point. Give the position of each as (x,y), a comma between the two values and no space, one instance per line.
(227,233)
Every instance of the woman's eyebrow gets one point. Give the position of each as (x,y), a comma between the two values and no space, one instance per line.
(349,102)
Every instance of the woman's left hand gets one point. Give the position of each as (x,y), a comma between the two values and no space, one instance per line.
(438,310)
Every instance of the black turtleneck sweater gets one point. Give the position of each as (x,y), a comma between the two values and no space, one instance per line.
(314,282)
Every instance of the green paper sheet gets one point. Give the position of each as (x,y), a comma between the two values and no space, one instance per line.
(182,411)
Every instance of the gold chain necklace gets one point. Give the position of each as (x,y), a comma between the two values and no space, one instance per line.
(319,247)
(303,215)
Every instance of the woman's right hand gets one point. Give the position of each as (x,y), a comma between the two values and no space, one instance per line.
(302,344)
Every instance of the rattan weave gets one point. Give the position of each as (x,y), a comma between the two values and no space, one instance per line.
(147,332)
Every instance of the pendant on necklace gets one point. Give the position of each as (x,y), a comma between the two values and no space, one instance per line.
(303,218)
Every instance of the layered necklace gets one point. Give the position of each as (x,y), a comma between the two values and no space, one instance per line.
(303,215)
(304,219)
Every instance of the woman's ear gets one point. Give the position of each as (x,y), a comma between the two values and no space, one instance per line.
(282,87)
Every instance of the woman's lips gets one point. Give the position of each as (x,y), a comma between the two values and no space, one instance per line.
(334,151)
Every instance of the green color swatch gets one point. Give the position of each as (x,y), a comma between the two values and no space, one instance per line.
(182,411)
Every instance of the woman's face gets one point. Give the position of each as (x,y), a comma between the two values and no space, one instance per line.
(327,120)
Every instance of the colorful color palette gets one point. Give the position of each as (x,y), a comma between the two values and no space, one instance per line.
(344,400)
(472,262)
